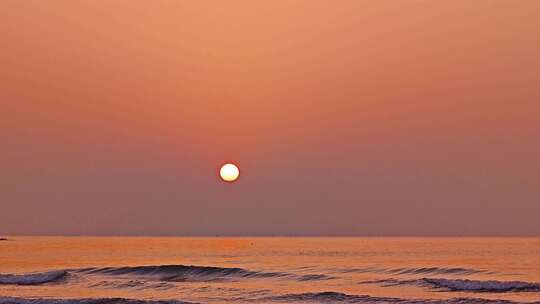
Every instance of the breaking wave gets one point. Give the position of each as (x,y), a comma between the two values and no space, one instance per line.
(15,300)
(177,273)
(463,285)
(183,273)
(483,286)
(336,297)
(32,278)
(167,273)
(319,297)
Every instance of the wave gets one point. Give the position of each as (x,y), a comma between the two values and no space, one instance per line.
(463,285)
(136,284)
(16,300)
(319,297)
(416,271)
(183,273)
(167,273)
(483,286)
(32,278)
(176,273)
(435,270)
(336,297)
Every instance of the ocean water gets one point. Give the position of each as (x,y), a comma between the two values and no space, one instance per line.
(269,270)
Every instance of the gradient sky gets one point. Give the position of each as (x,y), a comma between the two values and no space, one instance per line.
(345,117)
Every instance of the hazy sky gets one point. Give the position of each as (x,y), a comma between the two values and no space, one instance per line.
(346,117)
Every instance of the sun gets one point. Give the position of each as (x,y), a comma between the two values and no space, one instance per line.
(229,172)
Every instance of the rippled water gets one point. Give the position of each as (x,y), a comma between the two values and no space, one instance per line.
(269,270)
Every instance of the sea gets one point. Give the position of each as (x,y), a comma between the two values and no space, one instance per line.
(95,270)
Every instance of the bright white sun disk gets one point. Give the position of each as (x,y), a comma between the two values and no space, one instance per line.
(229,172)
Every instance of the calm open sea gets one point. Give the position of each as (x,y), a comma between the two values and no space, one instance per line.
(269,270)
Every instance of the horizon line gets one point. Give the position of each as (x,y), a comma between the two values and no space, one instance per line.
(280,236)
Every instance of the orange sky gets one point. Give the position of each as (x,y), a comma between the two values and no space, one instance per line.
(348,117)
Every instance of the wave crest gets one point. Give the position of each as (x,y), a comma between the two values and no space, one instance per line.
(32,278)
(183,273)
(337,297)
(483,286)
(463,285)
(16,300)
(435,270)
(416,270)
